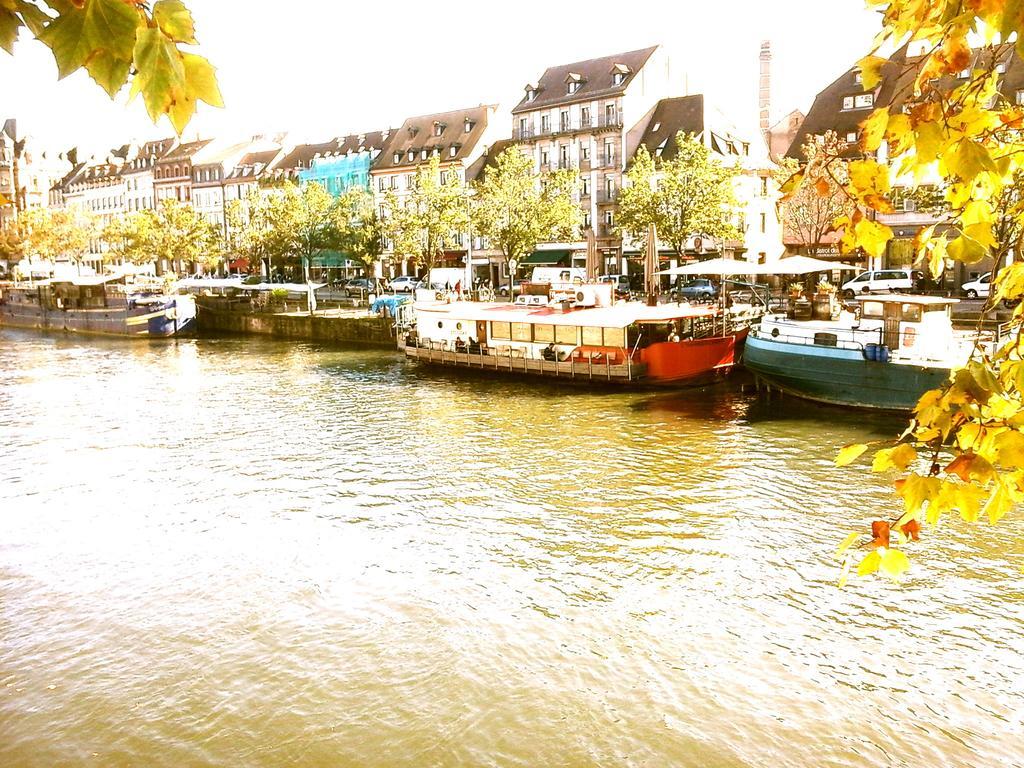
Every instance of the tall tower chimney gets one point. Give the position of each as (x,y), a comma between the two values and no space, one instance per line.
(764,93)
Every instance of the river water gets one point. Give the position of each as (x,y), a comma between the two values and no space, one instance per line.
(242,552)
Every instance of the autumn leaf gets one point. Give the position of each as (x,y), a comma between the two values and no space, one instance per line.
(911,529)
(850,454)
(100,36)
(161,72)
(879,534)
(917,490)
(893,563)
(899,457)
(822,188)
(999,503)
(175,21)
(869,564)
(871,71)
(873,129)
(969,466)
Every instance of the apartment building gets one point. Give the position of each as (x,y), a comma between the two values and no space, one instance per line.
(755,188)
(138,171)
(172,173)
(458,138)
(578,116)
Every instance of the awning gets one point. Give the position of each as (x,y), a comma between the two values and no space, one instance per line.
(537,258)
(329,260)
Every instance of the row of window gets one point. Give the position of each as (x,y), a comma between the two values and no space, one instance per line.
(591,336)
(607,156)
(424,154)
(207,174)
(565,122)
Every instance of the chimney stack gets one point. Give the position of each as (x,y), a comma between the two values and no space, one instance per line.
(764,96)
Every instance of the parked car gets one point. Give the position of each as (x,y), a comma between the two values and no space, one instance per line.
(403,284)
(697,289)
(881,281)
(980,288)
(620,283)
(357,286)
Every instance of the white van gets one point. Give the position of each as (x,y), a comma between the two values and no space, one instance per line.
(558,275)
(980,288)
(880,281)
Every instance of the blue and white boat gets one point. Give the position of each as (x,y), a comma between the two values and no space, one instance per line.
(97,304)
(884,356)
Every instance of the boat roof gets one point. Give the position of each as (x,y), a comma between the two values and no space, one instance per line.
(907,298)
(617,316)
(87,279)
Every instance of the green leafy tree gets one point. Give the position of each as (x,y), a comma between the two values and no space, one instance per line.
(183,237)
(121,42)
(307,222)
(130,237)
(515,210)
(56,234)
(254,233)
(12,246)
(360,232)
(431,219)
(692,193)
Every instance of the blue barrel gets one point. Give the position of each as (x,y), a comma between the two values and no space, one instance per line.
(870,351)
(883,354)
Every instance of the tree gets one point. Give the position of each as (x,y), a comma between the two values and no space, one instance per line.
(131,237)
(52,234)
(515,210)
(120,42)
(307,222)
(181,236)
(692,193)
(810,213)
(12,247)
(253,231)
(431,219)
(360,233)
(963,451)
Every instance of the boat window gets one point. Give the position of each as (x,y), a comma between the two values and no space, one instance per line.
(936,308)
(501,330)
(912,313)
(592,336)
(871,309)
(521,332)
(615,337)
(545,333)
(566,334)
(825,339)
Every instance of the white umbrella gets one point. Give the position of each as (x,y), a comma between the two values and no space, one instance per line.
(717,267)
(803,265)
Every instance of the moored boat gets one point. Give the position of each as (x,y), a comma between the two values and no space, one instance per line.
(885,356)
(578,332)
(96,304)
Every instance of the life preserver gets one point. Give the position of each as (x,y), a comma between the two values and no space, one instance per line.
(909,336)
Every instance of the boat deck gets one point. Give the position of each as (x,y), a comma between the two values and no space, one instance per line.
(510,360)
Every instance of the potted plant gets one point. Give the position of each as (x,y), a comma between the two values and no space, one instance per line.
(824,300)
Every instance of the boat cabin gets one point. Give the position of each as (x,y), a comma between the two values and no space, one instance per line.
(912,328)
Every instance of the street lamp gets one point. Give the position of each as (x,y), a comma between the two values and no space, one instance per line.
(512,264)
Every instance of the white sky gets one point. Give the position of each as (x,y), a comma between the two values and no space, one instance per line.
(322,68)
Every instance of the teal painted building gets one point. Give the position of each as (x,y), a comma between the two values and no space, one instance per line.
(338,165)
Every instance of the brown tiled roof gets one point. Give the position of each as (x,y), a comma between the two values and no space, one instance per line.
(595,77)
(480,166)
(417,134)
(302,155)
(251,165)
(70,177)
(185,151)
(685,113)
(147,155)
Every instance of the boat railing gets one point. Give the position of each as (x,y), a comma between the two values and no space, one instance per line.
(837,338)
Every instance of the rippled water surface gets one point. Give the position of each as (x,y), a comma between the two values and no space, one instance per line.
(250,553)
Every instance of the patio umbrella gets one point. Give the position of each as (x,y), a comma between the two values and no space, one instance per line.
(803,265)
(593,262)
(721,267)
(651,282)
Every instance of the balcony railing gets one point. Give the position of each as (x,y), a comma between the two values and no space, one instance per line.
(613,120)
(606,161)
(607,195)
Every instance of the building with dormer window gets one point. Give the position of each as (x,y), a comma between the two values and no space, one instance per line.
(458,139)
(579,116)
